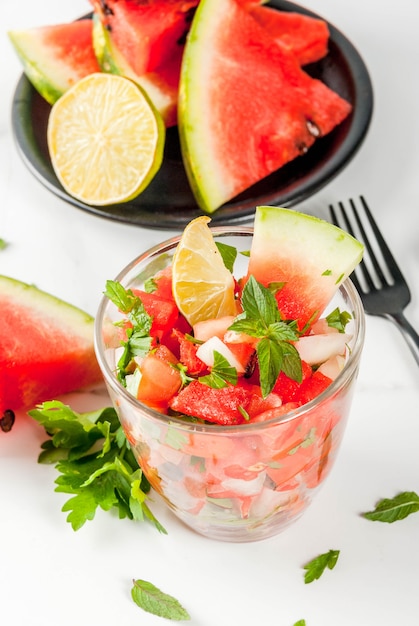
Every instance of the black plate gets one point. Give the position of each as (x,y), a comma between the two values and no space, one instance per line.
(168,202)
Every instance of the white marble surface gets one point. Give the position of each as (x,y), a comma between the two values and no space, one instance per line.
(51,575)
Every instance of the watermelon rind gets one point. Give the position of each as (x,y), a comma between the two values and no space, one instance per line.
(52,70)
(311,256)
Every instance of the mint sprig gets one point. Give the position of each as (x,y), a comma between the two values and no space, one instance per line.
(138,340)
(261,319)
(95,463)
(338,319)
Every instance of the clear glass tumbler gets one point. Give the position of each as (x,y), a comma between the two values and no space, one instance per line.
(232,483)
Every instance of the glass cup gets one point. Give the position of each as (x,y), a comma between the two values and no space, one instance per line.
(232,483)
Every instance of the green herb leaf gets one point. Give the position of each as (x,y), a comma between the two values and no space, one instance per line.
(261,319)
(316,567)
(221,374)
(151,599)
(301,622)
(339,320)
(259,303)
(95,464)
(138,341)
(394,509)
(3,244)
(228,253)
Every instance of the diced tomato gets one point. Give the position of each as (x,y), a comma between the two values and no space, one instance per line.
(160,381)
(212,405)
(288,388)
(163,311)
(311,387)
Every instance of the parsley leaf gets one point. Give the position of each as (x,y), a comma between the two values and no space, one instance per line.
(95,463)
(138,336)
(394,509)
(152,600)
(261,319)
(316,567)
(337,319)
(221,374)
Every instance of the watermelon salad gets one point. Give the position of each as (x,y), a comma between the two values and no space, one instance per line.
(218,435)
(206,65)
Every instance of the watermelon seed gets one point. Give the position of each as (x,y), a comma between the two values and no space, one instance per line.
(7,421)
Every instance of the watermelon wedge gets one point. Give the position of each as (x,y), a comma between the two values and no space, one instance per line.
(146,32)
(55,57)
(161,86)
(306,36)
(46,347)
(309,256)
(245,107)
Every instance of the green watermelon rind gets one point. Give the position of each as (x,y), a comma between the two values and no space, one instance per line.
(59,313)
(192,110)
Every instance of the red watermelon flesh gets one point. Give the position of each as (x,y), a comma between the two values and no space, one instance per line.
(46,347)
(246,107)
(146,31)
(306,36)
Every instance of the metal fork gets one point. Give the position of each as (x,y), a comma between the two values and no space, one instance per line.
(378,279)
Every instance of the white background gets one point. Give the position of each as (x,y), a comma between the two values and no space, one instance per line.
(50,575)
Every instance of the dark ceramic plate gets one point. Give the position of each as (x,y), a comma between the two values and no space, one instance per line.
(168,202)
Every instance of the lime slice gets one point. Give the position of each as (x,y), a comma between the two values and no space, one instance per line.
(202,286)
(105,139)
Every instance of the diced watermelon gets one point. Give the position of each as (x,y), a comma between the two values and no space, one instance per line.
(187,355)
(163,311)
(46,347)
(287,388)
(312,387)
(212,405)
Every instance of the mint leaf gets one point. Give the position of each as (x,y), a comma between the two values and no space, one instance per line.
(95,463)
(316,567)
(221,374)
(3,244)
(259,303)
(301,622)
(261,319)
(228,254)
(339,320)
(394,509)
(152,600)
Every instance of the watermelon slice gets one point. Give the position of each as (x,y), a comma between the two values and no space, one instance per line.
(146,32)
(161,86)
(306,36)
(309,256)
(245,106)
(46,347)
(56,57)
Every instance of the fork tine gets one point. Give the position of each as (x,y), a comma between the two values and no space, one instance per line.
(385,250)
